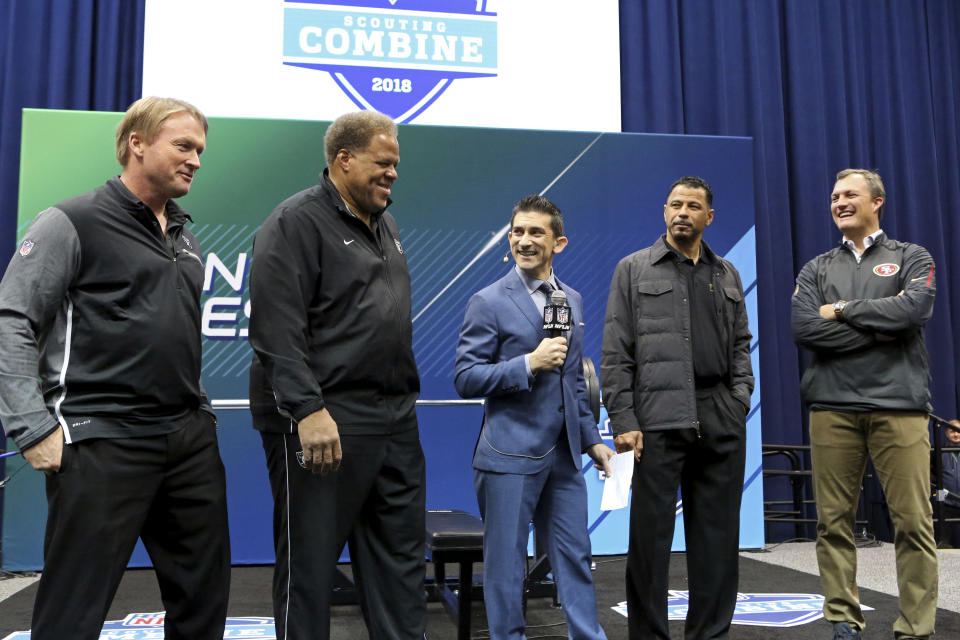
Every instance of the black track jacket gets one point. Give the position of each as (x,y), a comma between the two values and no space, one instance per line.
(100,322)
(330,318)
(876,359)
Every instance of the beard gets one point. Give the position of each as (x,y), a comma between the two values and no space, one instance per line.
(683,234)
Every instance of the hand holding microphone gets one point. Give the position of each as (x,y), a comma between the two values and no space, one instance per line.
(552,351)
(549,354)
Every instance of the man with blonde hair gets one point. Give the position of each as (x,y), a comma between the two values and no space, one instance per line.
(860,308)
(100,387)
(333,388)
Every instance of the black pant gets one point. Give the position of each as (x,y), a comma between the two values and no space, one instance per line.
(170,491)
(951,530)
(708,468)
(375,502)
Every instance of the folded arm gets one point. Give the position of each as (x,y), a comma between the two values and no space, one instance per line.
(812,331)
(908,310)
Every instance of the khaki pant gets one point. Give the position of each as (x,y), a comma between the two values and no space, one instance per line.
(899,445)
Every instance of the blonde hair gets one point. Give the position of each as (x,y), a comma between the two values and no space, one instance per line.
(146,116)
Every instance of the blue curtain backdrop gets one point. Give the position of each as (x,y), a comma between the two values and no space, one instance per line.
(61,54)
(820,85)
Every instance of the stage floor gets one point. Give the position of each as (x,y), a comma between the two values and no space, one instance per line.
(784,569)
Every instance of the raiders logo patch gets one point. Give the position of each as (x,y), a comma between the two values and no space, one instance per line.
(886,269)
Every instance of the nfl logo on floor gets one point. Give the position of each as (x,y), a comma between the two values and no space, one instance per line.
(755,609)
(149,626)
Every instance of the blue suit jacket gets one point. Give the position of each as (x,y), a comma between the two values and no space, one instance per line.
(523,417)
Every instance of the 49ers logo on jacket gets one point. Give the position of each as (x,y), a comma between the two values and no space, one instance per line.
(886,269)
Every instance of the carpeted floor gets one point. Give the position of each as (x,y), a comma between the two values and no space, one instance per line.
(250,596)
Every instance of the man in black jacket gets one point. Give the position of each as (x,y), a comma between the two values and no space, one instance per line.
(861,308)
(677,380)
(102,303)
(333,388)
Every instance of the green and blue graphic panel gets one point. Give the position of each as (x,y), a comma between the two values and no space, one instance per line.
(453,199)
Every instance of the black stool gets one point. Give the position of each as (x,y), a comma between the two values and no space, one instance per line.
(454,536)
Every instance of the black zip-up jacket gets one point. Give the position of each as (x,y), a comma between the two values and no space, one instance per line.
(330,318)
(100,322)
(647,356)
(876,359)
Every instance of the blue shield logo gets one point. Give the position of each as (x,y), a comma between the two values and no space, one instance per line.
(392,56)
(149,626)
(755,609)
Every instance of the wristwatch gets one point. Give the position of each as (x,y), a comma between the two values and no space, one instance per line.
(838,309)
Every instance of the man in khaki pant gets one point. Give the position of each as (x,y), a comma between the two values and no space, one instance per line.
(861,308)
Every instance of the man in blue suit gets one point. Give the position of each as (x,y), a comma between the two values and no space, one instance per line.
(537,424)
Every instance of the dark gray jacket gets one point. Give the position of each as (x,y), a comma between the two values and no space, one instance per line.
(876,358)
(647,364)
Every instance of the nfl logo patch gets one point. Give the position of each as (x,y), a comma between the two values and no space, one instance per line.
(26,247)
(399,246)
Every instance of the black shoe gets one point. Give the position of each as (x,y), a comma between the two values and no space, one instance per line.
(843,631)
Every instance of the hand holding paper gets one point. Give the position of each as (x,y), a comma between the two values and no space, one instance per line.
(616,487)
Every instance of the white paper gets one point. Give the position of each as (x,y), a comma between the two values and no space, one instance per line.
(616,487)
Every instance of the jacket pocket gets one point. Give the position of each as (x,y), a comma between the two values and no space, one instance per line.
(655,299)
(733,294)
(731,299)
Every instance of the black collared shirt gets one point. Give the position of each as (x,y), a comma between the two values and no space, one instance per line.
(710,364)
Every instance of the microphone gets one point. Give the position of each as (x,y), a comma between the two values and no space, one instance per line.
(556,315)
